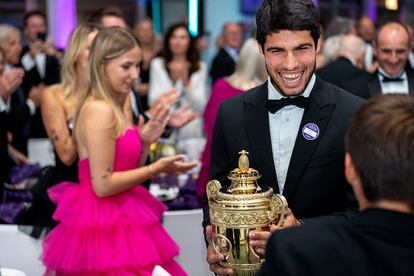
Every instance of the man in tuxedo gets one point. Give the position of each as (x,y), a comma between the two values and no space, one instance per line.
(40,60)
(293,125)
(391,47)
(348,65)
(379,240)
(365,29)
(224,62)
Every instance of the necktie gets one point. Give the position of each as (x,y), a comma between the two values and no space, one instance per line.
(274,105)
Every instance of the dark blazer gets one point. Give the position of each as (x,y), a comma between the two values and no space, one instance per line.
(32,78)
(375,242)
(19,120)
(3,152)
(340,71)
(369,85)
(223,65)
(315,183)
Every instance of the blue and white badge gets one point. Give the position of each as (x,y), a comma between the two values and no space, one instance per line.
(310,131)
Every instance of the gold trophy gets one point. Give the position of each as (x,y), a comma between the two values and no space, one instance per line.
(240,208)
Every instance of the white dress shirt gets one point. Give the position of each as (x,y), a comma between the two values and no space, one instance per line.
(393,87)
(39,61)
(284,126)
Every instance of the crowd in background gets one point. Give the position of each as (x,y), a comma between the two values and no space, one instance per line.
(40,86)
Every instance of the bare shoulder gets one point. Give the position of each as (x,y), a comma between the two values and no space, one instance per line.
(97,114)
(53,92)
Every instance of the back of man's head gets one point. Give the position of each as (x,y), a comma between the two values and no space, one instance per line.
(110,12)
(352,46)
(380,140)
(293,15)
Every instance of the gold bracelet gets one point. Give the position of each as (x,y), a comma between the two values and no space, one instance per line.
(151,171)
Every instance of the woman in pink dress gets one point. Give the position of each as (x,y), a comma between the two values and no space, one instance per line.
(250,72)
(108,223)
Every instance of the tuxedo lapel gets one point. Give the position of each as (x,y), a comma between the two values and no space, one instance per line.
(374,86)
(257,129)
(319,113)
(410,79)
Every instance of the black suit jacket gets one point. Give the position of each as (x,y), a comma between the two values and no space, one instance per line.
(19,120)
(32,78)
(223,65)
(340,71)
(369,85)
(315,183)
(3,152)
(376,242)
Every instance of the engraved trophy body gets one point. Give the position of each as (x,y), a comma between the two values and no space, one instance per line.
(238,209)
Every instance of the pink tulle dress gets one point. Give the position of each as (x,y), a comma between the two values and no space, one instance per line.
(115,235)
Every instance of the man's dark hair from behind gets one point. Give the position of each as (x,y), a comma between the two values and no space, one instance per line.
(293,15)
(380,140)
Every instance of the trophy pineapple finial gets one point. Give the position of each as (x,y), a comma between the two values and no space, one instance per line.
(244,161)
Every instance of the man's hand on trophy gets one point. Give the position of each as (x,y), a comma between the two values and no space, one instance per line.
(290,221)
(213,257)
(258,239)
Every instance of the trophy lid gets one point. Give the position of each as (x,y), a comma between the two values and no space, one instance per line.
(243,179)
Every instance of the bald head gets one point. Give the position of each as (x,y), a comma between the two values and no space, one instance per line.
(392,47)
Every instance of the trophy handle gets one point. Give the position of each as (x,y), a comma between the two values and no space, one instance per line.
(278,209)
(221,244)
(213,187)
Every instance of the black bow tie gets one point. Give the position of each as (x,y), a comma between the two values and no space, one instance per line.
(387,79)
(274,105)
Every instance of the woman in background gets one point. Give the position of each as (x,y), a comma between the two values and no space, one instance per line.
(180,66)
(58,108)
(109,223)
(250,71)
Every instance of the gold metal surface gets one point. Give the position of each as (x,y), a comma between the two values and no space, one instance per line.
(241,208)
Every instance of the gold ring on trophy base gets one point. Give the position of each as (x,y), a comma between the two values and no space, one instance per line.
(243,269)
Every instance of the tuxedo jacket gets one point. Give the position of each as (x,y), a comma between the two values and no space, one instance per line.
(375,242)
(33,78)
(223,65)
(3,152)
(369,85)
(315,184)
(340,71)
(52,73)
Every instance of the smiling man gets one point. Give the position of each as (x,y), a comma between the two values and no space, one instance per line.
(391,48)
(293,125)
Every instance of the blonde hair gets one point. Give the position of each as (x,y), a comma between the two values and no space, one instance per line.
(250,66)
(74,49)
(110,43)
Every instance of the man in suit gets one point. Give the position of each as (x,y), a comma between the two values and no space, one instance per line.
(225,61)
(391,47)
(365,29)
(293,125)
(379,240)
(40,60)
(348,65)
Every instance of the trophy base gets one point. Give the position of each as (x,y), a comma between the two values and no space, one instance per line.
(243,269)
